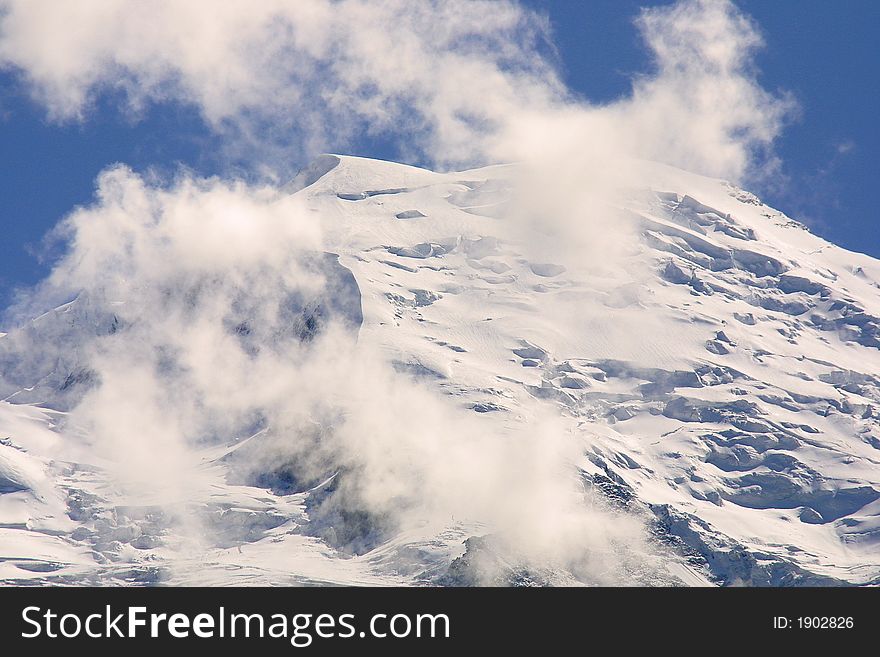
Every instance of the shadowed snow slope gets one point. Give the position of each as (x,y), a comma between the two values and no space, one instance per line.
(714,365)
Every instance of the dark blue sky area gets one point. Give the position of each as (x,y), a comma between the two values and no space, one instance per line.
(825,53)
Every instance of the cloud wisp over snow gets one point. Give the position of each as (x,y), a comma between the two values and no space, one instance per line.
(209,270)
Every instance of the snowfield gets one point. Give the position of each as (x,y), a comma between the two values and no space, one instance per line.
(715,366)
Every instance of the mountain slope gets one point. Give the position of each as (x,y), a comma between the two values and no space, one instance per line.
(711,361)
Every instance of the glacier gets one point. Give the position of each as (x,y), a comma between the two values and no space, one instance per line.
(711,364)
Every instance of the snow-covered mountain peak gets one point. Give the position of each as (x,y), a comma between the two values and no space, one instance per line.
(706,365)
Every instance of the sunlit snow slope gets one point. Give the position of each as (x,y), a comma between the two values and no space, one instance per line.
(720,373)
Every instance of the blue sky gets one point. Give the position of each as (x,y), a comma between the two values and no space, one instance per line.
(824,53)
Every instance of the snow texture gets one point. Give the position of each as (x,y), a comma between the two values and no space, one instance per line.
(728,398)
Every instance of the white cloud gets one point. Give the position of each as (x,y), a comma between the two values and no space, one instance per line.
(302,72)
(845,147)
(448,82)
(213,286)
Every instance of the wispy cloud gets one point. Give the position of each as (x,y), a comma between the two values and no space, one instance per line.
(449,83)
